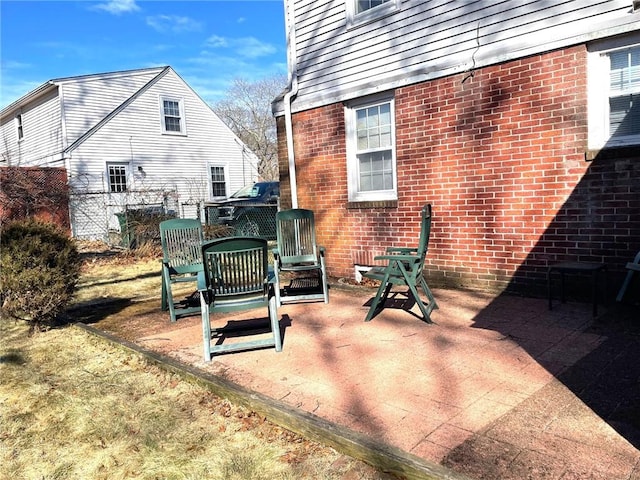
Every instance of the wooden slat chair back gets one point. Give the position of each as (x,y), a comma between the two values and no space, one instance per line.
(633,267)
(299,255)
(237,277)
(181,240)
(405,267)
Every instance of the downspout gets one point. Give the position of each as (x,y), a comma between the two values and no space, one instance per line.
(288,100)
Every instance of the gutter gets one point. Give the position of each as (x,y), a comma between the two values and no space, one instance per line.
(289,97)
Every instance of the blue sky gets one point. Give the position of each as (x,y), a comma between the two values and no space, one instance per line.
(207,42)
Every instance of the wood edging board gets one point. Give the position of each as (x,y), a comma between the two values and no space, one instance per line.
(348,442)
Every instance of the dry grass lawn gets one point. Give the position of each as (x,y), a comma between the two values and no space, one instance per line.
(75,407)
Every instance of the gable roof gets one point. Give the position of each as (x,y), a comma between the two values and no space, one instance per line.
(117,110)
(53,84)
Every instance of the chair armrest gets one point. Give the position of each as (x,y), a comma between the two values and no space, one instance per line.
(398,258)
(321,249)
(405,250)
(202,281)
(207,293)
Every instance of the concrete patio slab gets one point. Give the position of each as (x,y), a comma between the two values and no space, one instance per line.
(499,387)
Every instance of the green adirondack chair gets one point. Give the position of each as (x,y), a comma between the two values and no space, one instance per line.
(237,277)
(181,240)
(633,267)
(298,257)
(404,267)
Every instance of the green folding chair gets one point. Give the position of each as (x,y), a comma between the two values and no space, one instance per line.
(237,277)
(181,240)
(299,258)
(404,267)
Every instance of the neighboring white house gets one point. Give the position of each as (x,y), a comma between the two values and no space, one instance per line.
(129,139)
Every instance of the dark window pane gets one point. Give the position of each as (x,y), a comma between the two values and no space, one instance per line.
(624,116)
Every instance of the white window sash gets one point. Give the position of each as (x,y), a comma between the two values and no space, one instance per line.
(225,171)
(354,154)
(357,18)
(19,127)
(181,117)
(117,167)
(600,93)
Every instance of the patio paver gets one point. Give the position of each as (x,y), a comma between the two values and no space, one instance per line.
(498,387)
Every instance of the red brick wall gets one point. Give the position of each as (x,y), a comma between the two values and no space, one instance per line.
(501,157)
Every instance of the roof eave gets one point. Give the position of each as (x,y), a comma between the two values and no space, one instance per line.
(29,97)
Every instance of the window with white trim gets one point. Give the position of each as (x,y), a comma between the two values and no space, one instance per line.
(117,174)
(19,126)
(218,181)
(172,115)
(614,94)
(359,11)
(362,5)
(371,162)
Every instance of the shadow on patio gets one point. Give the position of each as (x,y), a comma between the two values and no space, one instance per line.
(594,361)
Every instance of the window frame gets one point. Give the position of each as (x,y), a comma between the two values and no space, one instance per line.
(353,162)
(357,18)
(225,172)
(20,126)
(111,186)
(599,93)
(164,115)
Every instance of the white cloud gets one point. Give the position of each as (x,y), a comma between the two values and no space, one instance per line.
(214,41)
(252,47)
(118,6)
(173,23)
(248,47)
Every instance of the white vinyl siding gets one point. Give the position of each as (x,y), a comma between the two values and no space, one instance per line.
(370,139)
(42,141)
(174,165)
(87,100)
(420,41)
(614,92)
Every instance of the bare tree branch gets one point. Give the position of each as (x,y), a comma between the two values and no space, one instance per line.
(246,109)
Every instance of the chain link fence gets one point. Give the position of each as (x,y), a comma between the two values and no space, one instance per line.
(247,219)
(129,222)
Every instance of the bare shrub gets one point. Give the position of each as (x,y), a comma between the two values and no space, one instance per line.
(39,270)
